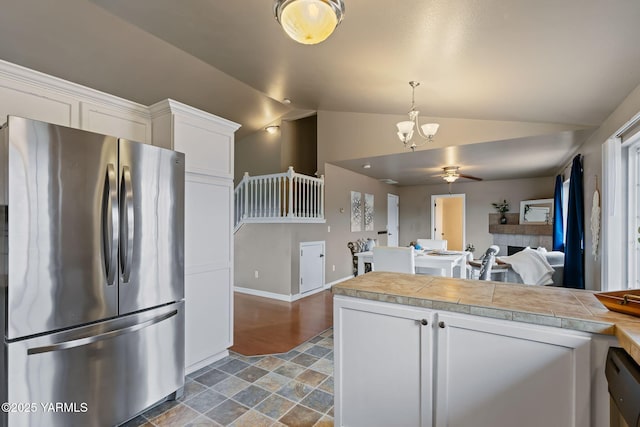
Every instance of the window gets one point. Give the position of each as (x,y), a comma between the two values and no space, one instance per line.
(632,232)
(620,244)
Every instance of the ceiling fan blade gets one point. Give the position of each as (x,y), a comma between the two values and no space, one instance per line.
(475,178)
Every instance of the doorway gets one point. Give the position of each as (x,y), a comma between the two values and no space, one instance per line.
(448,218)
(393,203)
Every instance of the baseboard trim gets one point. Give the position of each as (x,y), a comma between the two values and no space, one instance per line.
(287,298)
(209,360)
(265,294)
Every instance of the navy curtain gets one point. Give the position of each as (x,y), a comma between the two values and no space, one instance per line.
(573,251)
(558,229)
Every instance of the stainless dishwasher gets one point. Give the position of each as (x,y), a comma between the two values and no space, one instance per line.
(623,377)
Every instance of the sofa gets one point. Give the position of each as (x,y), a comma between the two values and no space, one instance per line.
(518,261)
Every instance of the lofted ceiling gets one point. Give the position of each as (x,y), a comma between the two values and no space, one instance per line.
(569,62)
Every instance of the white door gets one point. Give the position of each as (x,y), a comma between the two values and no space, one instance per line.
(311,266)
(513,370)
(383,364)
(393,203)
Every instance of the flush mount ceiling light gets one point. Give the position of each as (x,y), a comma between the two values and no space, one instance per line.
(309,21)
(272,129)
(405,129)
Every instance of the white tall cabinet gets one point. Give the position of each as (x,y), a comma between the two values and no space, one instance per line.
(207,142)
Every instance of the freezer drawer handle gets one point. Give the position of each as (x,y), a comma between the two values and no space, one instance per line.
(126,231)
(110,224)
(100,337)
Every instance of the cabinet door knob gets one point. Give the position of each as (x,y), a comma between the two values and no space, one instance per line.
(441,324)
(424,322)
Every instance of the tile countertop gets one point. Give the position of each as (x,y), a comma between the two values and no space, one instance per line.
(541,305)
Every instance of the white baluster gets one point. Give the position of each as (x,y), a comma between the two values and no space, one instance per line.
(322,196)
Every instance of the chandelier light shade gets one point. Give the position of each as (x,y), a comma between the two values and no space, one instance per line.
(406,128)
(309,21)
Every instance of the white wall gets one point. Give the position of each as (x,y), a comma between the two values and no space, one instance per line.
(415,212)
(258,154)
(345,135)
(272,249)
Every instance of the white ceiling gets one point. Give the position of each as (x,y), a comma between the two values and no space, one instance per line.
(569,61)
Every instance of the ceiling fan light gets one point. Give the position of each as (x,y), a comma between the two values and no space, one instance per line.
(309,21)
(450,178)
(430,129)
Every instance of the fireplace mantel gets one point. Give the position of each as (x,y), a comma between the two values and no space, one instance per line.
(512,226)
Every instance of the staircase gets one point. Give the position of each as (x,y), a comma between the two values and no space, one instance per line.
(282,197)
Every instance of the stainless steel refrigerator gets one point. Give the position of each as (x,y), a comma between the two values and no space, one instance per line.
(92,276)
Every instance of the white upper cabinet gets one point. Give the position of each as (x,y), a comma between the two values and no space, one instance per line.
(129,123)
(19,99)
(206,139)
(33,95)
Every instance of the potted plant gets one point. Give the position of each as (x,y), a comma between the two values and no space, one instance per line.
(502,207)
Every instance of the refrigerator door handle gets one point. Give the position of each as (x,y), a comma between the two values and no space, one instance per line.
(127,228)
(110,222)
(101,337)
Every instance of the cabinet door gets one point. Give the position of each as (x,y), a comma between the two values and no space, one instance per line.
(499,373)
(208,269)
(383,364)
(131,125)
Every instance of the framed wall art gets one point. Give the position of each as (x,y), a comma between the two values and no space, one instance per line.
(368,212)
(356,211)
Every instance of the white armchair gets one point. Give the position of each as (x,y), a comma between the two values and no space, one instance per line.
(394,259)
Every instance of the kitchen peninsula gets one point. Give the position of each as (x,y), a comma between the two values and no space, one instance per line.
(425,350)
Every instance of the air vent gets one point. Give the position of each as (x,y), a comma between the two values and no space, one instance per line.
(388,181)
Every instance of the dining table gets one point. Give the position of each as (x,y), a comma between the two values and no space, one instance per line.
(451,262)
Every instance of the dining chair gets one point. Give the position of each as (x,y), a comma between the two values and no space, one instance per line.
(488,259)
(354,248)
(394,259)
(432,244)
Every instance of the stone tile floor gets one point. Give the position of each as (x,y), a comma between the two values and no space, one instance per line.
(288,389)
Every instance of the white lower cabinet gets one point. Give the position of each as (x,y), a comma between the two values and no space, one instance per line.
(497,373)
(457,370)
(384,355)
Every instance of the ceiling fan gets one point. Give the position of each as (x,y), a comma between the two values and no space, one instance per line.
(451,174)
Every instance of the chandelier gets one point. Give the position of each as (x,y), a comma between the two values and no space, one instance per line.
(309,21)
(405,129)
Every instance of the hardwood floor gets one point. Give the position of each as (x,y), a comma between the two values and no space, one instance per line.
(266,326)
